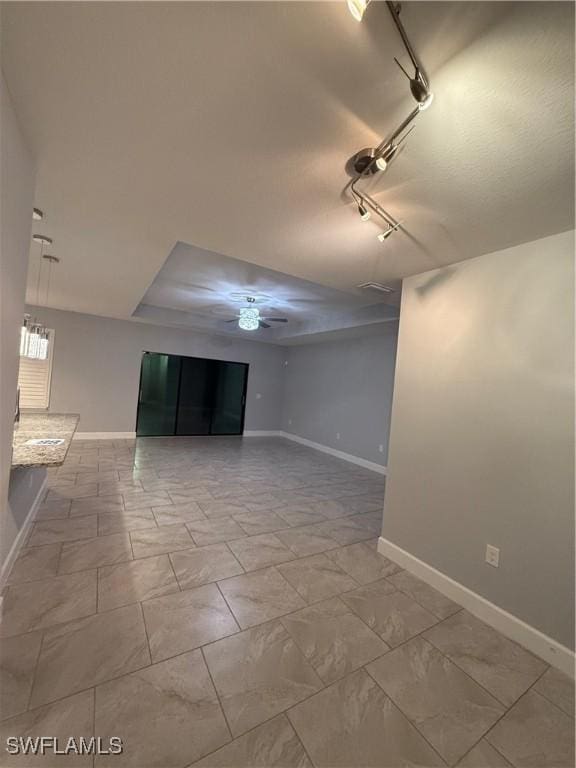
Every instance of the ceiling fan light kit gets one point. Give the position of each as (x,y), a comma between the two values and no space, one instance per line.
(250,319)
(372,160)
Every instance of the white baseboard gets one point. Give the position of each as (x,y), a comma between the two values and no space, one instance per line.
(531,638)
(261,433)
(104,436)
(339,454)
(21,536)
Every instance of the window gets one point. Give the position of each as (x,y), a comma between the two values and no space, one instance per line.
(34,379)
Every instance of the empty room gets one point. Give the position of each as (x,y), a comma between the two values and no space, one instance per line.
(287,384)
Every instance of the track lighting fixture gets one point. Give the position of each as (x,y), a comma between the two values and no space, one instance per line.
(364,212)
(386,234)
(357,8)
(371,160)
(37,214)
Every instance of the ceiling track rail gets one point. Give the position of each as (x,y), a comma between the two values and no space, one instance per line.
(369,162)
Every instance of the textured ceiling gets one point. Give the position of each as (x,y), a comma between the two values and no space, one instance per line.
(228,126)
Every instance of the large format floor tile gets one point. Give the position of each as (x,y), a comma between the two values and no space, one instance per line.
(101,504)
(134,581)
(226,508)
(92,553)
(83,653)
(353,723)
(260,551)
(535,733)
(159,541)
(187,620)
(168,714)
(393,615)
(35,563)
(178,513)
(38,604)
(363,562)
(428,597)
(52,531)
(194,567)
(125,521)
(557,688)
(258,674)
(18,656)
(499,665)
(70,717)
(483,755)
(316,578)
(333,639)
(254,523)
(306,540)
(260,596)
(271,745)
(214,531)
(449,708)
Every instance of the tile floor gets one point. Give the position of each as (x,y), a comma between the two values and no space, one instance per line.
(220,602)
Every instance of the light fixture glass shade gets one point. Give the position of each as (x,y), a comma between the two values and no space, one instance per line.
(249,319)
(357,8)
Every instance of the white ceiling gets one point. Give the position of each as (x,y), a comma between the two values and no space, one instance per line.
(227,126)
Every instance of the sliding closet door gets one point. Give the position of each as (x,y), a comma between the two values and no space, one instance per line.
(158,400)
(197,382)
(229,398)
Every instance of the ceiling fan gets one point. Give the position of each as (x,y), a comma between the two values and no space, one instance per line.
(249,318)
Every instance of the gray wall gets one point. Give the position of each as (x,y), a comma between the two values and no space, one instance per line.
(482,447)
(343,387)
(16,201)
(96,368)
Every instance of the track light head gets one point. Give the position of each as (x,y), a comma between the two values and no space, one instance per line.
(427,101)
(363,211)
(37,214)
(420,91)
(42,239)
(357,8)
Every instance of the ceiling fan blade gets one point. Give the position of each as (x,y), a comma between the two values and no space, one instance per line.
(276,319)
(264,325)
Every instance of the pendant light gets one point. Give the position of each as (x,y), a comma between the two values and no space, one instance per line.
(34,337)
(44,334)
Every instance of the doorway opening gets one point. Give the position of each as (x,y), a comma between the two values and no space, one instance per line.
(190,396)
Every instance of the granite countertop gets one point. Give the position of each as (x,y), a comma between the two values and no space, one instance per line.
(41,426)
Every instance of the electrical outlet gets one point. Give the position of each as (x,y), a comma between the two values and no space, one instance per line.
(337,435)
(381,448)
(492,555)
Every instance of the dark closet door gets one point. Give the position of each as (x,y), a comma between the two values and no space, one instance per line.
(229,398)
(158,400)
(197,382)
